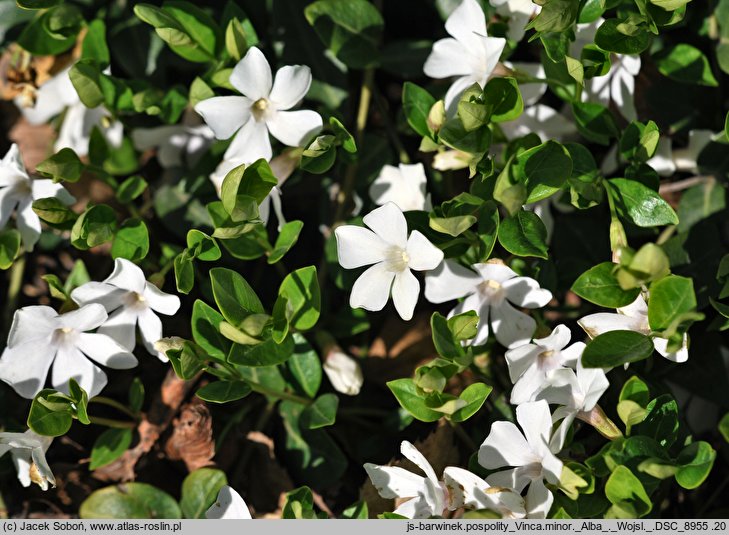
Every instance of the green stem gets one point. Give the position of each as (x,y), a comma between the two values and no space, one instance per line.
(14,285)
(102,400)
(108,422)
(277,394)
(389,127)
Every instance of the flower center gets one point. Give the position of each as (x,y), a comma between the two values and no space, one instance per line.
(396,259)
(491,291)
(547,360)
(260,109)
(63,335)
(135,300)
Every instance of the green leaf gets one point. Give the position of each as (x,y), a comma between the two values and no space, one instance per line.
(9,247)
(474,395)
(95,226)
(79,401)
(267,353)
(235,39)
(695,462)
(445,343)
(37,4)
(131,240)
(50,416)
(130,189)
(614,348)
(356,511)
(184,272)
(188,360)
(686,64)
(670,297)
(38,39)
(612,36)
(130,500)
(595,122)
(504,99)
(305,366)
(407,394)
(255,180)
(94,46)
(206,330)
(299,505)
(544,169)
(627,495)
(300,288)
(454,134)
(555,16)
(321,413)
(642,205)
(205,247)
(136,395)
(661,422)
(524,234)
(234,296)
(635,390)
(200,490)
(600,286)
(351,30)
(223,391)
(342,135)
(64,165)
(286,239)
(54,212)
(724,427)
(86,79)
(109,446)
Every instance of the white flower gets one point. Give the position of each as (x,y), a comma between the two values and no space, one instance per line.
(529,364)
(176,144)
(262,108)
(39,337)
(130,301)
(529,453)
(393,254)
(633,317)
(467,490)
(28,452)
(343,372)
(59,93)
(539,119)
(667,161)
(228,506)
(618,85)
(576,393)
(404,185)
(490,292)
(519,12)
(427,493)
(18,191)
(468,54)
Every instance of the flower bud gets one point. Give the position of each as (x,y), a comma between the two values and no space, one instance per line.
(343,372)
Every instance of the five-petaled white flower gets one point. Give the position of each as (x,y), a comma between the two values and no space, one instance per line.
(490,291)
(263,108)
(343,371)
(176,144)
(428,493)
(404,185)
(130,301)
(468,54)
(529,453)
(529,364)
(518,12)
(18,191)
(576,393)
(466,489)
(228,506)
(393,254)
(57,94)
(39,337)
(28,452)
(633,317)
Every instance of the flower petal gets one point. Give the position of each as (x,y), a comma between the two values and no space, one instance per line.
(423,255)
(127,275)
(525,292)
(358,246)
(104,350)
(527,386)
(417,458)
(32,323)
(224,115)
(538,499)
(252,75)
(602,322)
(520,359)
(511,326)
(394,482)
(108,295)
(454,93)
(25,367)
(661,345)
(405,293)
(121,327)
(448,58)
(450,281)
(84,319)
(150,327)
(228,506)
(160,301)
(29,224)
(344,372)
(557,339)
(494,271)
(536,422)
(372,289)
(290,86)
(249,144)
(514,478)
(505,446)
(294,128)
(71,364)
(389,223)
(466,21)
(43,188)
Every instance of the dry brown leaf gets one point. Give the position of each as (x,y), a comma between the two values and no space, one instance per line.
(192,436)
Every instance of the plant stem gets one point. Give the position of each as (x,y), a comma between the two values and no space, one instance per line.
(102,400)
(14,285)
(108,422)
(280,395)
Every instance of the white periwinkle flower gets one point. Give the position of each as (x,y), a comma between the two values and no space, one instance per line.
(228,506)
(667,160)
(529,453)
(393,254)
(176,144)
(529,364)
(576,393)
(39,337)
(28,452)
(519,12)
(53,97)
(539,119)
(263,108)
(343,372)
(467,490)
(427,493)
(490,291)
(468,54)
(633,317)
(18,191)
(404,185)
(130,301)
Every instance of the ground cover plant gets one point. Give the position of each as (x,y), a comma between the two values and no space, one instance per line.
(351,259)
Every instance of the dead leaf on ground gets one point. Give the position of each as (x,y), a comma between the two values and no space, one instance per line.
(192,437)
